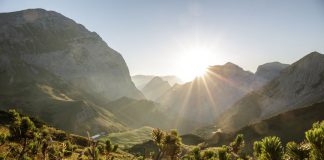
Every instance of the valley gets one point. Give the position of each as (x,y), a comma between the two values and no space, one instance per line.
(66,94)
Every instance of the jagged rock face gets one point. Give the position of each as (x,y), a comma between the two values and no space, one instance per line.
(267,72)
(49,40)
(301,84)
(203,99)
(155,88)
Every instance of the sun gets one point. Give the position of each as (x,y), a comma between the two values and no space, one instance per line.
(194,62)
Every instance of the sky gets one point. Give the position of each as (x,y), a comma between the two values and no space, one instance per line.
(168,37)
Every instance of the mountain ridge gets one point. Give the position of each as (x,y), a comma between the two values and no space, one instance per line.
(293,88)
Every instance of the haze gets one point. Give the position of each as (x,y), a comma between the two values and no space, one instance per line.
(183,37)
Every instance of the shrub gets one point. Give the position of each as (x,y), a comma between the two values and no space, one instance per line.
(237,145)
(271,149)
(315,137)
(3,138)
(297,151)
(222,154)
(208,154)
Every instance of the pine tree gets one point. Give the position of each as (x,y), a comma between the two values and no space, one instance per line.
(169,144)
(23,130)
(315,137)
(222,154)
(237,145)
(3,138)
(271,149)
(158,136)
(257,149)
(296,151)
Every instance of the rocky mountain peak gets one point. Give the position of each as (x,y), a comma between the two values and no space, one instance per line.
(51,41)
(229,66)
(231,71)
(155,88)
(157,80)
(311,58)
(298,85)
(270,70)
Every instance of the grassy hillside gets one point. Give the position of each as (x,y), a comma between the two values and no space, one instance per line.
(42,140)
(130,138)
(36,140)
(137,137)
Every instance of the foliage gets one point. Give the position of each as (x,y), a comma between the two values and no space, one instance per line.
(3,138)
(238,144)
(315,137)
(271,148)
(25,140)
(257,146)
(223,154)
(169,144)
(296,151)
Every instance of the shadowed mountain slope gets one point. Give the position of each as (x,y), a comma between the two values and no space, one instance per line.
(138,113)
(55,69)
(53,42)
(299,85)
(289,126)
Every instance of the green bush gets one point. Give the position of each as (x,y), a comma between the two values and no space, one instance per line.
(297,151)
(269,148)
(3,138)
(315,137)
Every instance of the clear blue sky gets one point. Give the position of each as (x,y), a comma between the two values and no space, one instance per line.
(150,34)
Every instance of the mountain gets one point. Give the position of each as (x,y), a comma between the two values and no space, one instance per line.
(37,92)
(155,88)
(55,69)
(289,126)
(267,72)
(138,113)
(299,85)
(141,80)
(203,99)
(53,42)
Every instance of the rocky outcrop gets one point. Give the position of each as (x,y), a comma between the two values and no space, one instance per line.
(301,84)
(50,41)
(267,72)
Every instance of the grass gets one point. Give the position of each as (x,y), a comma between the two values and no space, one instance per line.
(130,138)
(58,138)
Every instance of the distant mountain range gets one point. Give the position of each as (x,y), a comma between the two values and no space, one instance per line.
(56,70)
(141,80)
(207,97)
(155,88)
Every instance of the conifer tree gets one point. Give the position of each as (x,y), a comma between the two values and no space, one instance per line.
(271,149)
(315,137)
